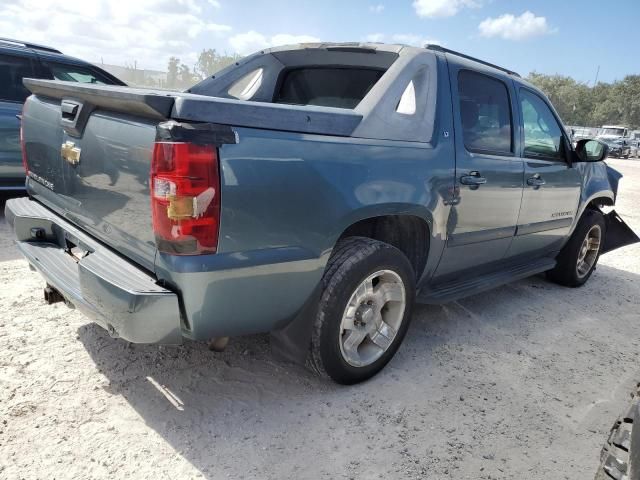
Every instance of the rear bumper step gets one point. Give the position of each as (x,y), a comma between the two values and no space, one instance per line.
(108,289)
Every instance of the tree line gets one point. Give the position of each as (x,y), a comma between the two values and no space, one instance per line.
(182,76)
(616,103)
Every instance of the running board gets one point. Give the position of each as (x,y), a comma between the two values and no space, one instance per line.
(460,288)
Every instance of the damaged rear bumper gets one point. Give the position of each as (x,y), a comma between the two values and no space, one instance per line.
(116,294)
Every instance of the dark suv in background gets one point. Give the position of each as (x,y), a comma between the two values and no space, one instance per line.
(20,60)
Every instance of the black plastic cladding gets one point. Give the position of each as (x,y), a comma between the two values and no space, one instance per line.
(198,133)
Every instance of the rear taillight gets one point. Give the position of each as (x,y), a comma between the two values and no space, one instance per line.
(185,197)
(22,145)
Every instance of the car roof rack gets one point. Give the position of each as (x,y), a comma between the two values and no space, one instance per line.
(438,48)
(34,46)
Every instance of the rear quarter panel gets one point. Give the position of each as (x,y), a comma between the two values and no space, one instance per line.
(286,199)
(283,189)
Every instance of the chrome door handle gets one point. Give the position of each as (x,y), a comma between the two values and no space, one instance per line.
(473,179)
(536,181)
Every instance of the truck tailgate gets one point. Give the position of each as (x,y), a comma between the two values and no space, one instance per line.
(89,149)
(94,170)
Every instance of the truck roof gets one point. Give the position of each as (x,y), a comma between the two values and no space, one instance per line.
(342,47)
(383,47)
(9,42)
(439,48)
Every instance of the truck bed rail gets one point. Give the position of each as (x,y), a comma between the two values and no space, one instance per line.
(160,105)
(134,101)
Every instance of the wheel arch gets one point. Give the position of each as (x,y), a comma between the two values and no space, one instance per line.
(409,233)
(372,221)
(595,201)
(600,200)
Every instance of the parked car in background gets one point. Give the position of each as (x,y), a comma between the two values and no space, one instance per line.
(619,147)
(20,60)
(580,133)
(634,142)
(312,191)
(613,132)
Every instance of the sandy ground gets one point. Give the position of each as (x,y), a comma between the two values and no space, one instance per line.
(520,382)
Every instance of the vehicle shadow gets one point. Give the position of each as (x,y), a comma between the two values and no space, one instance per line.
(8,250)
(243,413)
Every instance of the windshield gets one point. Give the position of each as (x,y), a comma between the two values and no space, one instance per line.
(613,131)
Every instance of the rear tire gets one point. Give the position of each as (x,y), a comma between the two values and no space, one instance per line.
(579,257)
(364,311)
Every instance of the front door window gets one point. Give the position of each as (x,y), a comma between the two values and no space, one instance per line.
(542,133)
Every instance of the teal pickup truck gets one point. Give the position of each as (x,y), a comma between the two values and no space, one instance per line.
(313,191)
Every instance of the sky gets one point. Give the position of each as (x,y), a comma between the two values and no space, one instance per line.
(568,37)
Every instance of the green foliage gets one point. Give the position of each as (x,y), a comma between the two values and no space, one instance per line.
(172,72)
(615,103)
(186,77)
(210,62)
(180,75)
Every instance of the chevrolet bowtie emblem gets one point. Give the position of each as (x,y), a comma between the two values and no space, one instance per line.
(70,152)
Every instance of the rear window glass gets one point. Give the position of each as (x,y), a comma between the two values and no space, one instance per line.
(407,103)
(247,86)
(327,87)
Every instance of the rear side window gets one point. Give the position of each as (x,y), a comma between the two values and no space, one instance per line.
(75,73)
(407,103)
(247,86)
(327,87)
(12,71)
(485,111)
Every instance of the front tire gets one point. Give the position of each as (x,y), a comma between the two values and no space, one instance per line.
(364,311)
(579,257)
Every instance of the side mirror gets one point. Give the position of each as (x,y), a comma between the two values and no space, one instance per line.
(589,150)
